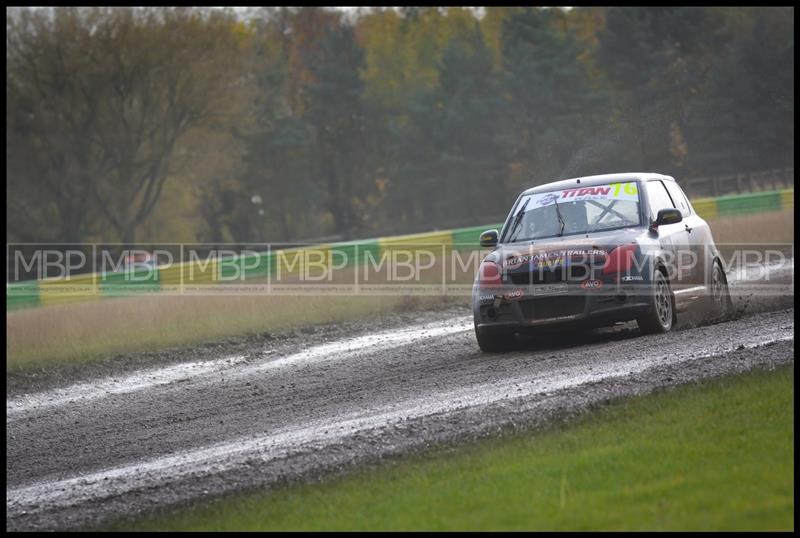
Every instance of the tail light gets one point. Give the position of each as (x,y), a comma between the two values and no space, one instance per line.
(489,275)
(620,259)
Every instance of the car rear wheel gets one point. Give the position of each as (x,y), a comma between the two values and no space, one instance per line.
(661,313)
(719,304)
(494,341)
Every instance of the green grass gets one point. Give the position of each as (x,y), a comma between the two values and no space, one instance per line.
(714,456)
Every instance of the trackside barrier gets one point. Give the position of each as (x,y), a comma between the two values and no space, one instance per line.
(743,204)
(22,295)
(431,240)
(121,284)
(293,261)
(754,203)
(706,208)
(76,289)
(787,199)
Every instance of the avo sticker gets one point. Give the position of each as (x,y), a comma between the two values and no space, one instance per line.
(591,284)
(513,294)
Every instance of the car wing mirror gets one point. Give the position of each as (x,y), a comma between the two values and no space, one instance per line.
(489,238)
(666,216)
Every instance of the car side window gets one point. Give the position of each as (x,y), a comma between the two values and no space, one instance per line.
(678,197)
(658,197)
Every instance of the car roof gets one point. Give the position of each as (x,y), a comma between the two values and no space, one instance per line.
(590,181)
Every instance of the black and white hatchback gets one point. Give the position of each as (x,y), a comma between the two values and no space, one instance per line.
(595,251)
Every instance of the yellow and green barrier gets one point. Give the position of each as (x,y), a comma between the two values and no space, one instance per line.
(706,207)
(357,252)
(22,295)
(429,241)
(743,204)
(76,289)
(121,284)
(291,261)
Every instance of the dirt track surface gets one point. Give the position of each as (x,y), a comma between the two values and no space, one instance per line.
(257,412)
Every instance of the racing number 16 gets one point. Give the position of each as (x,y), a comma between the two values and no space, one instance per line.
(630,188)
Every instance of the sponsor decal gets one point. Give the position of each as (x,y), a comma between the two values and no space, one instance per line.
(591,284)
(620,191)
(550,262)
(508,296)
(513,294)
(551,289)
(631,278)
(552,258)
(547,199)
(611,191)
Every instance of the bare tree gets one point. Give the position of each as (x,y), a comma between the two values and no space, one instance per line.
(112,91)
(50,118)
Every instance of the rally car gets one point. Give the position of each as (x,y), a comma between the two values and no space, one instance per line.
(596,251)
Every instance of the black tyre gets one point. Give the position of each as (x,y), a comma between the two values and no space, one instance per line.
(494,341)
(719,304)
(661,314)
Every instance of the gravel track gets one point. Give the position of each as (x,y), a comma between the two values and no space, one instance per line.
(256,412)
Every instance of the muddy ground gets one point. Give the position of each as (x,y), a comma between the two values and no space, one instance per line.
(140,432)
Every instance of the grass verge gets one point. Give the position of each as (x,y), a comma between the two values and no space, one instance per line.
(82,332)
(713,456)
(755,229)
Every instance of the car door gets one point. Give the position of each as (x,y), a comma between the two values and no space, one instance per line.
(695,229)
(670,236)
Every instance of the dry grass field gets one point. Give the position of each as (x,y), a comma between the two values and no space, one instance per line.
(756,229)
(85,331)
